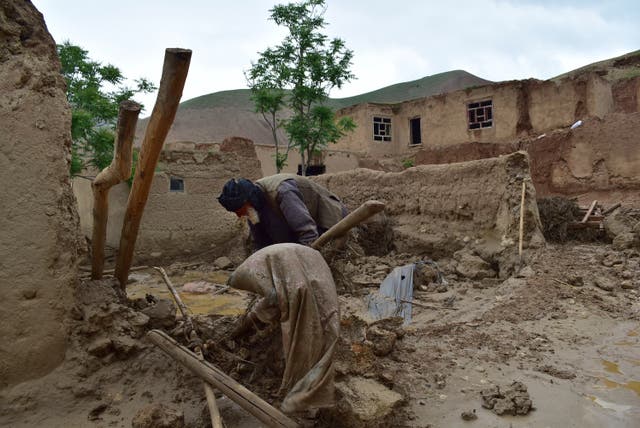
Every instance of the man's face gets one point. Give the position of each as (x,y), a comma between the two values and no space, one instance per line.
(243,210)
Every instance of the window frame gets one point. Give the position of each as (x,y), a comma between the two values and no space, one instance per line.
(176,179)
(480,114)
(411,132)
(382,129)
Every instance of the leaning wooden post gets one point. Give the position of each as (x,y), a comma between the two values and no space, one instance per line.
(117,172)
(174,74)
(521,228)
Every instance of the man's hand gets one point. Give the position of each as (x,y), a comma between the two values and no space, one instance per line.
(245,324)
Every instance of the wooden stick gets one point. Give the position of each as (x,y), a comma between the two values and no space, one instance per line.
(562,282)
(422,305)
(229,387)
(362,213)
(214,412)
(611,209)
(118,171)
(521,234)
(174,74)
(589,211)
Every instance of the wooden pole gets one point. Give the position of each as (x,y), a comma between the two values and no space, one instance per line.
(174,74)
(192,335)
(362,213)
(229,387)
(521,235)
(118,171)
(589,211)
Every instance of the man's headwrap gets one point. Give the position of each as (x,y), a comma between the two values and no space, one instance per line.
(236,193)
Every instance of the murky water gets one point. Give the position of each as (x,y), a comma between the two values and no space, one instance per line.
(229,303)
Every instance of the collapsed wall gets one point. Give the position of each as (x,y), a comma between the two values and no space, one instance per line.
(38,219)
(438,209)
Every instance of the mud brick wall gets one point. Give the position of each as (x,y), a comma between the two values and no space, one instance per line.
(38,218)
(436,208)
(176,223)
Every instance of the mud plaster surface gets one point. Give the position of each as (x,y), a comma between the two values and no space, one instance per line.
(574,348)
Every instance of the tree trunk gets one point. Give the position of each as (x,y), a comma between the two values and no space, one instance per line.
(174,74)
(118,171)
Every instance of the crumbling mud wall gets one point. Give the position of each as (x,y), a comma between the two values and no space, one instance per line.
(38,218)
(439,209)
(176,222)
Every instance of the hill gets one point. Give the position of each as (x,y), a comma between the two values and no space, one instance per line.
(613,69)
(213,117)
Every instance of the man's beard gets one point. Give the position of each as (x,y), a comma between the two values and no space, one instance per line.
(253,216)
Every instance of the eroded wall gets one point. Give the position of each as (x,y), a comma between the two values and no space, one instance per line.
(38,218)
(434,207)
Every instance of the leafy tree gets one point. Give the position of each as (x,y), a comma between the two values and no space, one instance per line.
(299,74)
(94,108)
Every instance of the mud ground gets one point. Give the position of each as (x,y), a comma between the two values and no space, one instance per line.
(566,327)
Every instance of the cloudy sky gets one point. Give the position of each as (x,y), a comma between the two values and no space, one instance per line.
(393,41)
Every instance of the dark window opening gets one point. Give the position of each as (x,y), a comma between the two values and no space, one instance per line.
(415,132)
(176,184)
(382,129)
(480,114)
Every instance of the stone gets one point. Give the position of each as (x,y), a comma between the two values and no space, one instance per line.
(472,266)
(100,347)
(363,402)
(382,341)
(628,285)
(624,241)
(526,272)
(469,415)
(223,263)
(162,314)
(603,283)
(158,416)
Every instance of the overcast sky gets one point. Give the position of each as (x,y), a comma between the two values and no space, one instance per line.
(393,41)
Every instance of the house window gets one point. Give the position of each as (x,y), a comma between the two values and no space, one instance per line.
(176,184)
(382,129)
(480,114)
(414,132)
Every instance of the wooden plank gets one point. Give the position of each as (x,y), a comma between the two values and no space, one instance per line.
(228,386)
(586,216)
(611,209)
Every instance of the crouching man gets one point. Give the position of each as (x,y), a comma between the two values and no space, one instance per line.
(297,290)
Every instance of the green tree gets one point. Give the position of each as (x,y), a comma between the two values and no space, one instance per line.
(299,74)
(94,92)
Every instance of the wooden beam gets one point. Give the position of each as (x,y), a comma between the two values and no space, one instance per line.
(611,209)
(521,228)
(246,399)
(117,172)
(174,75)
(589,211)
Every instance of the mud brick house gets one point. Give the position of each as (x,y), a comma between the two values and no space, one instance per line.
(492,113)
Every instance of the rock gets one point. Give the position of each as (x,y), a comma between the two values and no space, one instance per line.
(156,254)
(472,266)
(575,280)
(198,287)
(364,403)
(158,416)
(100,347)
(382,341)
(223,263)
(469,415)
(526,272)
(162,314)
(628,285)
(624,241)
(125,346)
(619,222)
(603,283)
(511,400)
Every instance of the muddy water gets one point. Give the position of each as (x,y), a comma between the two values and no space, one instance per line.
(228,303)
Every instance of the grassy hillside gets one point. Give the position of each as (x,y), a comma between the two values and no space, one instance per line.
(620,67)
(430,85)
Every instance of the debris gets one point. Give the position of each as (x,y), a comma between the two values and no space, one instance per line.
(158,416)
(511,400)
(469,415)
(364,403)
(223,263)
(576,124)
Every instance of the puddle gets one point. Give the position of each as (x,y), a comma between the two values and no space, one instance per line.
(611,367)
(233,303)
(618,408)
